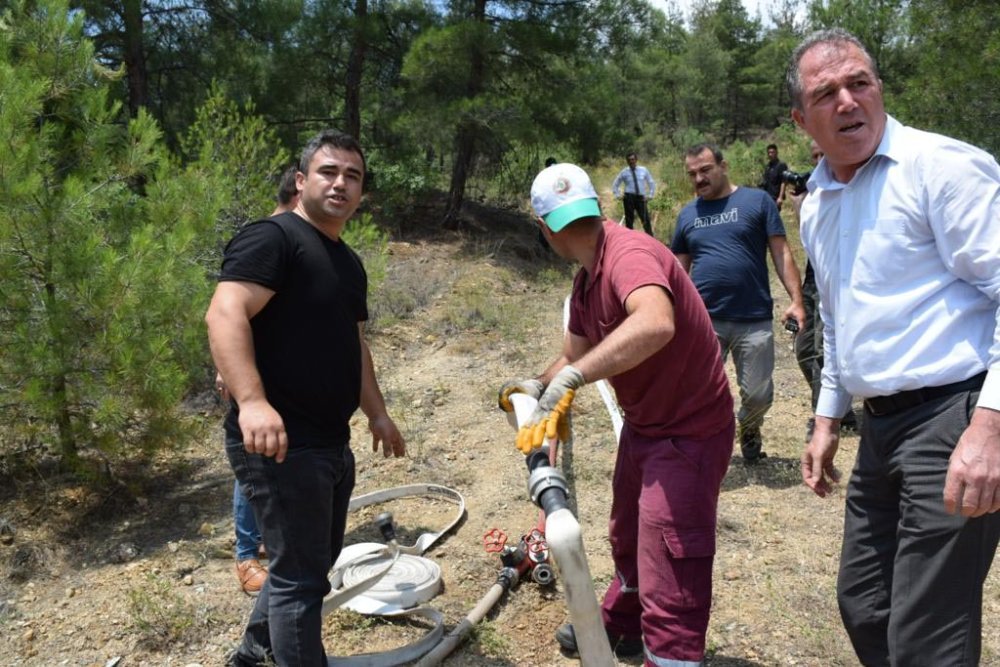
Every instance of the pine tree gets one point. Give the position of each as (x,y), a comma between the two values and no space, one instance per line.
(101,294)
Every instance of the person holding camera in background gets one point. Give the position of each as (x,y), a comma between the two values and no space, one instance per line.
(722,240)
(798,181)
(809,340)
(773,181)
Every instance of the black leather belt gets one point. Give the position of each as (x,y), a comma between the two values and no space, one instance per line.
(886,405)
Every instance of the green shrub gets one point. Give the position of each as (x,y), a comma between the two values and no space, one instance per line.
(160,616)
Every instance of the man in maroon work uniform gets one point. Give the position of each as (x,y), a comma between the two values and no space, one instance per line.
(637,320)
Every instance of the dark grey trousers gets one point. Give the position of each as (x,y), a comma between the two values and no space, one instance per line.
(911,576)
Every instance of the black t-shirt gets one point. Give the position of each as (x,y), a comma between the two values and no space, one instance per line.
(306,341)
(772,177)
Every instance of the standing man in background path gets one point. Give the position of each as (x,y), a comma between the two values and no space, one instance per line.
(903,229)
(722,240)
(285,329)
(637,188)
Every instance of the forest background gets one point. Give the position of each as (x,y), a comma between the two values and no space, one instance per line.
(137,129)
(136,136)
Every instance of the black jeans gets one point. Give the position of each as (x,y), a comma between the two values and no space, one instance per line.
(636,204)
(301,508)
(911,576)
(809,341)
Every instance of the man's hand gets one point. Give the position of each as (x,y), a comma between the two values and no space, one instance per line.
(796,312)
(220,386)
(818,471)
(263,429)
(549,418)
(972,485)
(384,430)
(531,387)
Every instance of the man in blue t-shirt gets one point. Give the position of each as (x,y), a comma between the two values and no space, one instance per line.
(722,239)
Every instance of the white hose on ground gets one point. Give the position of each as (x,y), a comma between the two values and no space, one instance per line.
(565,540)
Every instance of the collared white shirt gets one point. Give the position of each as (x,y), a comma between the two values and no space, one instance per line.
(625,178)
(907,261)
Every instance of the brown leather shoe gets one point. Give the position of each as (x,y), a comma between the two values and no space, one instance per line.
(251,575)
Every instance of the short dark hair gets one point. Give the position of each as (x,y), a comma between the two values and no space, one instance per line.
(774,146)
(837,37)
(549,161)
(334,138)
(286,186)
(698,149)
(631,155)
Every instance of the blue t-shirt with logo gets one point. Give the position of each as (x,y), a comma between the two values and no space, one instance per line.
(727,240)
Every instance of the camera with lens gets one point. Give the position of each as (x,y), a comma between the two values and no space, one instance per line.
(796,180)
(791,325)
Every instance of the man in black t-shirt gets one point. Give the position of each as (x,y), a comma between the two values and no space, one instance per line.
(772,180)
(285,329)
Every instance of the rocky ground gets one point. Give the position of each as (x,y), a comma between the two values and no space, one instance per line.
(143,574)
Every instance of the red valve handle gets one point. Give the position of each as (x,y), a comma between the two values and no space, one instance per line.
(494,540)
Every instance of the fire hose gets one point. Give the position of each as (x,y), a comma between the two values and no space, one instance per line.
(547,488)
(529,556)
(391,579)
(361,567)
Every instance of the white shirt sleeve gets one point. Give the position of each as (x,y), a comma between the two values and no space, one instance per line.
(963,189)
(617,184)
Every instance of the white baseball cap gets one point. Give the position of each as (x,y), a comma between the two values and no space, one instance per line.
(563,193)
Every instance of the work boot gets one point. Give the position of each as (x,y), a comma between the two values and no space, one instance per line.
(752,446)
(251,575)
(620,646)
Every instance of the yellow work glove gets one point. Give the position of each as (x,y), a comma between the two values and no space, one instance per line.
(533,388)
(550,418)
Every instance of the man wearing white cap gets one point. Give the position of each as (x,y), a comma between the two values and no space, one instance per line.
(637,320)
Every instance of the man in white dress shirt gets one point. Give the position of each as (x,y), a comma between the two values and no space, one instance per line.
(634,185)
(903,230)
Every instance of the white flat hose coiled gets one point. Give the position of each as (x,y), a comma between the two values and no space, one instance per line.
(410,581)
(391,580)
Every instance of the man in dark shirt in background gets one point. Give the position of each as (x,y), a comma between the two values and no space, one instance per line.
(773,181)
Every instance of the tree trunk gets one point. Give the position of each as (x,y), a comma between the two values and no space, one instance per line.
(355,69)
(135,58)
(465,153)
(58,385)
(465,141)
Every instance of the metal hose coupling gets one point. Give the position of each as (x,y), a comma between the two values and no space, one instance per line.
(544,479)
(508,577)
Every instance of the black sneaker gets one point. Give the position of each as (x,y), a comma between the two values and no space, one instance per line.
(620,646)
